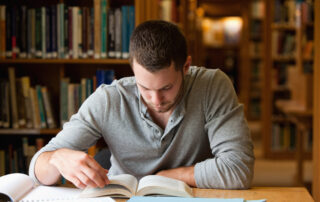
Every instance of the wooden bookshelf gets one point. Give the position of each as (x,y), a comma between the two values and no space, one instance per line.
(256,48)
(296,105)
(64,61)
(316,107)
(29,131)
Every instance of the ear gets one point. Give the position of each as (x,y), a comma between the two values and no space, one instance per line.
(187,65)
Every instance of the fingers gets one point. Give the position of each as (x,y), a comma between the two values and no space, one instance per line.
(79,168)
(92,174)
(99,171)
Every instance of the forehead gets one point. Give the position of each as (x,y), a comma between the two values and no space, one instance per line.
(155,80)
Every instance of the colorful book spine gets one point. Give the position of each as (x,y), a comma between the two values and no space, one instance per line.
(124,32)
(43,119)
(111,33)
(64,100)
(103,28)
(118,31)
(97,28)
(54,33)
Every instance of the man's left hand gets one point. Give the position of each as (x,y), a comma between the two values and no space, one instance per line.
(185,174)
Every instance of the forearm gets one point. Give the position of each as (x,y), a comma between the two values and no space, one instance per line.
(185,174)
(45,172)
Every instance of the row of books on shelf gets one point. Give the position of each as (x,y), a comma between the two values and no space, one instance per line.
(293,12)
(61,31)
(254,108)
(283,43)
(16,157)
(257,9)
(284,137)
(256,29)
(256,49)
(26,106)
(72,95)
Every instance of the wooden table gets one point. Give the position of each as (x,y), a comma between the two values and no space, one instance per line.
(272,194)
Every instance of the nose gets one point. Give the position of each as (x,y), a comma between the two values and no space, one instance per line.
(156,98)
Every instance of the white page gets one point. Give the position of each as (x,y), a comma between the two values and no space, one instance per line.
(156,180)
(61,194)
(15,185)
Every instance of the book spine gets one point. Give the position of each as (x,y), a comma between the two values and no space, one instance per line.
(6,105)
(25,81)
(43,121)
(66,24)
(111,33)
(33,33)
(13,97)
(91,33)
(48,33)
(43,32)
(2,162)
(118,26)
(22,120)
(71,104)
(61,30)
(109,76)
(131,23)
(14,32)
(124,32)
(48,107)
(103,28)
(97,28)
(23,33)
(35,108)
(38,33)
(8,32)
(83,90)
(79,32)
(70,32)
(29,36)
(89,87)
(54,41)
(64,100)
(75,35)
(84,32)
(2,31)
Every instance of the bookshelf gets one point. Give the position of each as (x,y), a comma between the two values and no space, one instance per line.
(287,79)
(66,67)
(50,70)
(316,107)
(253,100)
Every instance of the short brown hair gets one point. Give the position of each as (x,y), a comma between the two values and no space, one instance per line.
(155,44)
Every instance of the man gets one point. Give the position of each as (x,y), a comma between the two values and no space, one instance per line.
(169,119)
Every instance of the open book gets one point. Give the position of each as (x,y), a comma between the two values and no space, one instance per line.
(126,186)
(20,187)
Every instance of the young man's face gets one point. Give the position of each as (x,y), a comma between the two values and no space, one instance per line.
(160,90)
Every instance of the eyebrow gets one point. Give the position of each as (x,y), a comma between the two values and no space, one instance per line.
(166,86)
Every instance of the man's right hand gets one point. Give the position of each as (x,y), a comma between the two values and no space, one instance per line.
(76,166)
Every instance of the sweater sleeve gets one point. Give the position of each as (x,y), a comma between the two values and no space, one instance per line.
(232,164)
(82,131)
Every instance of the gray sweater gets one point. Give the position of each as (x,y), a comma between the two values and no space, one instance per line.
(206,129)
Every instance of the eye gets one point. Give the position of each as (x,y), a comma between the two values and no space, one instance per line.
(166,88)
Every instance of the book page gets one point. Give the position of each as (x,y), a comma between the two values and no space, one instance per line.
(120,185)
(15,185)
(154,184)
(51,193)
